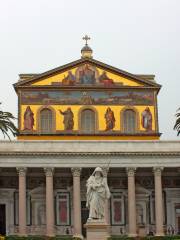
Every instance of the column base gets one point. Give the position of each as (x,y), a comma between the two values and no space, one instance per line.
(50,233)
(78,236)
(159,234)
(132,235)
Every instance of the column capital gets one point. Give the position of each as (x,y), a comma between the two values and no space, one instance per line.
(76,172)
(49,171)
(157,171)
(131,171)
(21,171)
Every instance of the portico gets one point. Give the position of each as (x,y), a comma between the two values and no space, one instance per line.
(50,178)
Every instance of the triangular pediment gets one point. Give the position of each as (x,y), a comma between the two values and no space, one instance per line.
(141,190)
(86,72)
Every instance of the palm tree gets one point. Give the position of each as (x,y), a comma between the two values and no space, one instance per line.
(6,124)
(177,123)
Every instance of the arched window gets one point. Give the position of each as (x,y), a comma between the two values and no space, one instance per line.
(46,121)
(129,121)
(88,121)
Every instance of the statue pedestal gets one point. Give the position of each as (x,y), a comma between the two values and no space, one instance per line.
(97,230)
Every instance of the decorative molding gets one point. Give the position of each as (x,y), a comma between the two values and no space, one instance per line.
(175,154)
(131,171)
(76,172)
(21,171)
(49,172)
(157,171)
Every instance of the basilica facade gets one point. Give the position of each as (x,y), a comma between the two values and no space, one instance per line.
(72,119)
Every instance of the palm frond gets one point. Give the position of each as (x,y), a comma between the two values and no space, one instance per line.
(7,125)
(177,123)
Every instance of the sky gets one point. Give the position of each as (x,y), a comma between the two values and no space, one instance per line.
(138,36)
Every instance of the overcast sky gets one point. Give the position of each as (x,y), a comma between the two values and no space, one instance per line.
(138,36)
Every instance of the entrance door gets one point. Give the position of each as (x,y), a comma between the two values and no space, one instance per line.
(2,219)
(84,216)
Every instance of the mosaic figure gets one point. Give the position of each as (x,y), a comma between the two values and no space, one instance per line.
(146,119)
(103,78)
(87,75)
(28,119)
(68,119)
(69,79)
(110,119)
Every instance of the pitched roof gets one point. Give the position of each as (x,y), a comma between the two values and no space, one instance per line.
(35,77)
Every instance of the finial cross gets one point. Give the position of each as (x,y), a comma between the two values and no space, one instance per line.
(86,38)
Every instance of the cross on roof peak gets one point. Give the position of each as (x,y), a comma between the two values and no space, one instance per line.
(86,38)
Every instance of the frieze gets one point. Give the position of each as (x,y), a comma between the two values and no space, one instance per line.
(82,97)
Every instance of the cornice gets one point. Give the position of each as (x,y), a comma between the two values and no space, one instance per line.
(81,87)
(175,154)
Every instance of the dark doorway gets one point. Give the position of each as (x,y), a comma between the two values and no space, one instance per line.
(84,216)
(3,219)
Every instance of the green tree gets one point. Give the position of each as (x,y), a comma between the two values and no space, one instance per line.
(7,124)
(177,123)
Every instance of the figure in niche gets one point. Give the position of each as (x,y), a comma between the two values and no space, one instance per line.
(68,119)
(103,78)
(110,119)
(86,99)
(28,119)
(146,119)
(87,75)
(41,215)
(69,79)
(97,193)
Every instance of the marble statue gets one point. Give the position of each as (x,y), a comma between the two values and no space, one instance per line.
(97,193)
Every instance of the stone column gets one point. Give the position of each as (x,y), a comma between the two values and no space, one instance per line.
(131,202)
(77,202)
(105,173)
(158,201)
(22,201)
(49,202)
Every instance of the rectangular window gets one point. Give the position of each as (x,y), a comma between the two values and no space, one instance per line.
(63,209)
(117,209)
